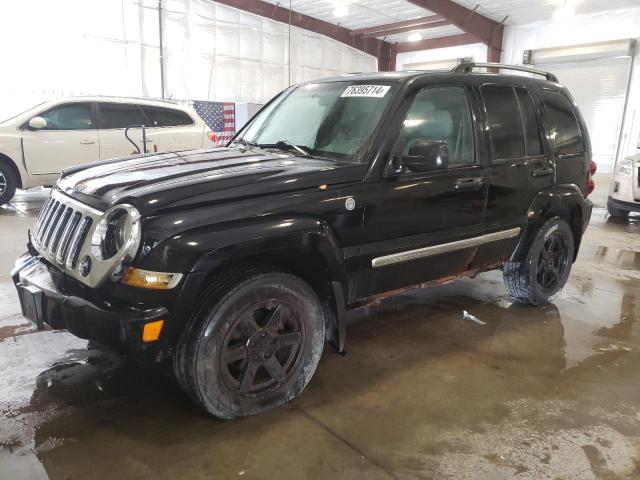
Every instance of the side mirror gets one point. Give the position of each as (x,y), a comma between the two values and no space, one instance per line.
(37,123)
(426,156)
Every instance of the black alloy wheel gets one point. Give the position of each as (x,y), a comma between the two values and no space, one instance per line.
(262,348)
(253,343)
(552,262)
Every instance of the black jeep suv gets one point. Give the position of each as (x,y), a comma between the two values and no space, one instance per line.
(234,265)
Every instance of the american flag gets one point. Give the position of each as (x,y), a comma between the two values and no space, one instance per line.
(220,117)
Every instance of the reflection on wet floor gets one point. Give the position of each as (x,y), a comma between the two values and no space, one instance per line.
(423,392)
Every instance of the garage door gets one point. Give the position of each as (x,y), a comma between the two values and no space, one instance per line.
(599,86)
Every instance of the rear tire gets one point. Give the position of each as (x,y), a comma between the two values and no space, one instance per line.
(8,183)
(252,344)
(545,269)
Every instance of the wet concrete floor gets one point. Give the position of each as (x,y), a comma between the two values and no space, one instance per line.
(422,393)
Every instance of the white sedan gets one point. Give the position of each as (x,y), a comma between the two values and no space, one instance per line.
(38,144)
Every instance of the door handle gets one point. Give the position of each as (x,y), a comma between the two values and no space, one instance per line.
(468,184)
(87,142)
(539,172)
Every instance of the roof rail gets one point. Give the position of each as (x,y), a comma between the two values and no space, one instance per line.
(467,67)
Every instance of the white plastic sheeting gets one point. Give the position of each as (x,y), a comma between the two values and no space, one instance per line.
(111,47)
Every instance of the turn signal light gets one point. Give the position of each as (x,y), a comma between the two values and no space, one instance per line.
(151,331)
(136,277)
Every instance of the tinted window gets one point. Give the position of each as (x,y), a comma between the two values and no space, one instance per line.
(166,117)
(504,121)
(73,116)
(115,115)
(563,126)
(529,122)
(440,113)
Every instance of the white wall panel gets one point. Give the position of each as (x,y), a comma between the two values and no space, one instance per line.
(476,51)
(110,47)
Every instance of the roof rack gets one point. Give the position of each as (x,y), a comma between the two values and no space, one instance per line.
(467,67)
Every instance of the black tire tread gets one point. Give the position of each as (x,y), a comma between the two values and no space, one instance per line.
(12,182)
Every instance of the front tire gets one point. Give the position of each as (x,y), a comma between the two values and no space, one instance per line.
(253,344)
(545,269)
(8,183)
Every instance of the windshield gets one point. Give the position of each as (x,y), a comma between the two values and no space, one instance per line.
(327,119)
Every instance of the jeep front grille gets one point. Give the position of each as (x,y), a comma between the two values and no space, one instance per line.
(61,230)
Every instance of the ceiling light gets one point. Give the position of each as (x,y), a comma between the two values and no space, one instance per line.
(414,37)
(341,10)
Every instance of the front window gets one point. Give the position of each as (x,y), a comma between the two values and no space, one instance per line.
(72,116)
(327,119)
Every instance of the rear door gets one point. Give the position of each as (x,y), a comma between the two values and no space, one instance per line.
(114,118)
(520,166)
(173,129)
(408,212)
(70,138)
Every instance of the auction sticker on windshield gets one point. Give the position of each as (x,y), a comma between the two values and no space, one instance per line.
(377,91)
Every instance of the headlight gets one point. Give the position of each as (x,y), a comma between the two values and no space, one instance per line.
(625,167)
(117,233)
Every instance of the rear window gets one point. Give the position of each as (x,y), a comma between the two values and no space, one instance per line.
(166,117)
(507,139)
(117,115)
(564,130)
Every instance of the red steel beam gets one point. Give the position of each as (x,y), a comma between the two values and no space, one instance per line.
(404,26)
(439,42)
(483,29)
(366,44)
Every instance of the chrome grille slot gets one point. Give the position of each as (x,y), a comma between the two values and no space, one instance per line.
(59,228)
(46,222)
(65,240)
(42,216)
(78,239)
(55,217)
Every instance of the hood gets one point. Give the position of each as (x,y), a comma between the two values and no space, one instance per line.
(179,179)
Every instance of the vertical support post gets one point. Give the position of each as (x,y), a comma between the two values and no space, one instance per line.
(494,46)
(161,49)
(387,57)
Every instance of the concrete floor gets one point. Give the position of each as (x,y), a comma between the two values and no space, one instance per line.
(422,393)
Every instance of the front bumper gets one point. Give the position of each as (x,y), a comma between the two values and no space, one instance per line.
(47,296)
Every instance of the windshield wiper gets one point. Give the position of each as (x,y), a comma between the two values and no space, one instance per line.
(245,143)
(283,144)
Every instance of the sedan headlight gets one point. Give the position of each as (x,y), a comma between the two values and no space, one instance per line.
(117,233)
(625,167)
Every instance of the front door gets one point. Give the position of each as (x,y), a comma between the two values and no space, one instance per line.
(114,119)
(69,138)
(416,222)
